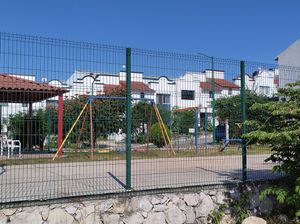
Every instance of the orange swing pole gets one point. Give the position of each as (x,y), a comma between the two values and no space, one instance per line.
(165,130)
(69,132)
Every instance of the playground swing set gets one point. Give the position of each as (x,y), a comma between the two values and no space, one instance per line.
(89,107)
(225,143)
(166,138)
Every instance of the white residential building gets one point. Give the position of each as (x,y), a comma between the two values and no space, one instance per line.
(289,64)
(262,82)
(192,89)
(223,87)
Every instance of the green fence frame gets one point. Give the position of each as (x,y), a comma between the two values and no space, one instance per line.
(128,118)
(243,112)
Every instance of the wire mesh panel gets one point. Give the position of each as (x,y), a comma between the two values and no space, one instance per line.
(178,132)
(263,84)
(85,119)
(62,118)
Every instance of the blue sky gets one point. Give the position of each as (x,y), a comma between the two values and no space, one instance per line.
(254,30)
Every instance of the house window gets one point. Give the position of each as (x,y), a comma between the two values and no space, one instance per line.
(24,104)
(142,95)
(210,94)
(229,92)
(162,98)
(187,94)
(264,90)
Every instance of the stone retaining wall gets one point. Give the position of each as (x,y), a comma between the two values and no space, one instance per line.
(189,207)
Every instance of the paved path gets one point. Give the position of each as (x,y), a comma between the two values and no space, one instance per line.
(43,181)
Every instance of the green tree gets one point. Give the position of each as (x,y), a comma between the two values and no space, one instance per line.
(277,123)
(108,117)
(18,126)
(230,108)
(140,120)
(182,121)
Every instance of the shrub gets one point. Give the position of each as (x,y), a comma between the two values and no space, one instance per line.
(277,124)
(230,108)
(141,138)
(182,121)
(156,136)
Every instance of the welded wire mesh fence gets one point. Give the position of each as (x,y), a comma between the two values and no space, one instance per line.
(86,119)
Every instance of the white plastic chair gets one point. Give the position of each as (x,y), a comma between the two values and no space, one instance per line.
(10,145)
(3,143)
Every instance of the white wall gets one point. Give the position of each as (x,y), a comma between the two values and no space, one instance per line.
(80,83)
(135,76)
(249,82)
(218,74)
(162,85)
(289,64)
(262,78)
(188,81)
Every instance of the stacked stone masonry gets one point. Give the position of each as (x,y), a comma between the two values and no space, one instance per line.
(177,208)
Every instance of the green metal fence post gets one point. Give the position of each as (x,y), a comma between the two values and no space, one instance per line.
(213,100)
(196,129)
(49,128)
(128,118)
(243,110)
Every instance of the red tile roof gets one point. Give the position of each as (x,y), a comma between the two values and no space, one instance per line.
(110,88)
(207,86)
(16,89)
(11,82)
(138,86)
(226,84)
(135,86)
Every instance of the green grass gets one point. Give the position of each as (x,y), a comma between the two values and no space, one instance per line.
(150,154)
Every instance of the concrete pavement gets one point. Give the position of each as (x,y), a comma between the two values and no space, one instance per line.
(55,180)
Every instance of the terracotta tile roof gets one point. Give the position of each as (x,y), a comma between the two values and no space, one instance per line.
(110,88)
(137,86)
(207,86)
(19,90)
(226,84)
(11,82)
